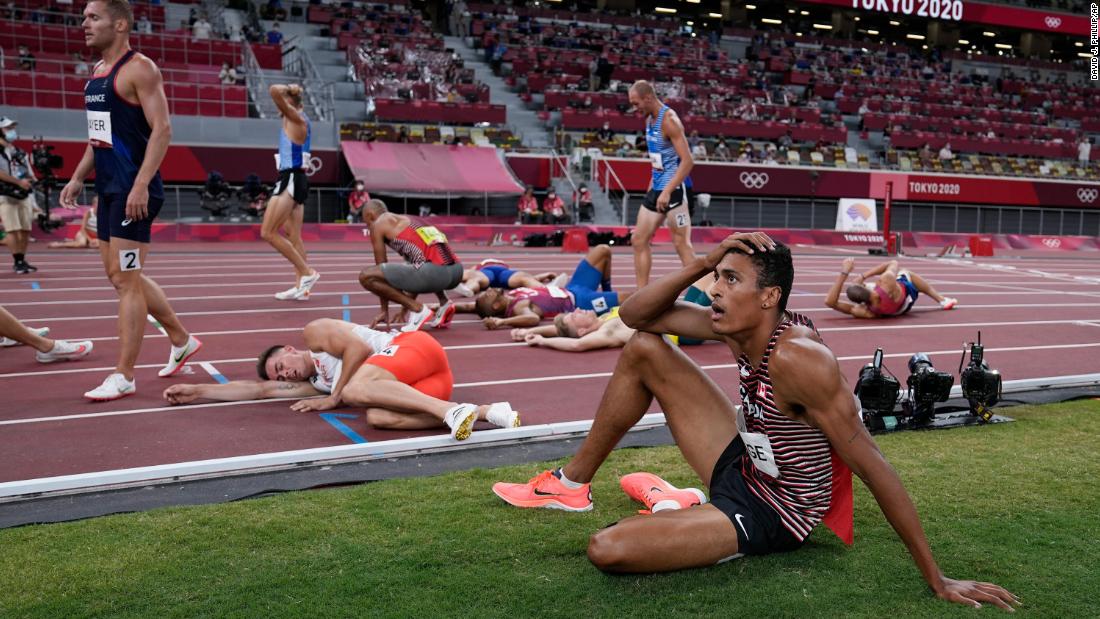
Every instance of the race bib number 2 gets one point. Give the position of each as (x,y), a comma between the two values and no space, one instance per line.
(129,260)
(99,129)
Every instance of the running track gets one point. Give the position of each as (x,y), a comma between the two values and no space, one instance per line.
(1039,316)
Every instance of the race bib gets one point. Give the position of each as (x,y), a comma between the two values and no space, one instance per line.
(682,220)
(389,351)
(557,293)
(600,305)
(758,448)
(656,161)
(431,235)
(99,129)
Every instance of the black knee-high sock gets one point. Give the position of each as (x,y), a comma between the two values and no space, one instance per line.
(18,258)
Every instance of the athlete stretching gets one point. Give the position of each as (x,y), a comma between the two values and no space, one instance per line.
(286,208)
(775,469)
(129,132)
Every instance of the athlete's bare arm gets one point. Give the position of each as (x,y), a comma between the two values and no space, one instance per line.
(75,186)
(832,298)
(674,133)
(295,125)
(520,335)
(656,308)
(525,314)
(336,338)
(810,386)
(240,390)
(611,334)
(140,82)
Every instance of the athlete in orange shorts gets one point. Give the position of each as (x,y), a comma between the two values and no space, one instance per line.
(403,380)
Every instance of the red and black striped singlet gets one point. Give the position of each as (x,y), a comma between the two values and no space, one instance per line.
(420,242)
(789,464)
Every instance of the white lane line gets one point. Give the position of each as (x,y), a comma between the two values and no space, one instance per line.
(513,381)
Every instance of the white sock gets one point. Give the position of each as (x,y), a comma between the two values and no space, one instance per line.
(178,349)
(565,481)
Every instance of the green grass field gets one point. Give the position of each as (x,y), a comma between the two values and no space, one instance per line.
(1014,504)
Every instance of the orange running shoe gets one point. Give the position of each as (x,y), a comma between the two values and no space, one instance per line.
(546,490)
(657,494)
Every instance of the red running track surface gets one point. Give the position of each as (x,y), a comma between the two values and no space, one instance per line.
(1039,317)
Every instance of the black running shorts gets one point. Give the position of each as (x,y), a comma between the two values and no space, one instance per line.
(293,180)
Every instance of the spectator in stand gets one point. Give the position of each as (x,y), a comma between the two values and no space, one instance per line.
(785,142)
(528,208)
(356,201)
(144,26)
(554,208)
(403,135)
(624,150)
(27,61)
(722,150)
(274,36)
(593,77)
(639,142)
(275,10)
(80,66)
(699,151)
(605,134)
(1084,150)
(228,75)
(583,199)
(693,139)
(864,108)
(945,152)
(925,154)
(201,29)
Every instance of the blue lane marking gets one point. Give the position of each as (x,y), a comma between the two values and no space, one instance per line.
(346,300)
(220,378)
(334,420)
(35,286)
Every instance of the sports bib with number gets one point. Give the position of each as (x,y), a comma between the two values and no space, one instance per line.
(656,161)
(558,293)
(431,235)
(99,129)
(758,447)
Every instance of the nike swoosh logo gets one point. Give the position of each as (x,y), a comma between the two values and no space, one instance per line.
(182,355)
(541,493)
(738,517)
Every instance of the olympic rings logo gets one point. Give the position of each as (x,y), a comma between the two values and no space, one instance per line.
(1053,22)
(754,180)
(314,166)
(1086,195)
(1052,243)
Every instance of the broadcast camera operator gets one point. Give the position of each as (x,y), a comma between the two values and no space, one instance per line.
(17,202)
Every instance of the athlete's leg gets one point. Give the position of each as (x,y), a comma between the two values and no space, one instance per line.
(373,387)
(278,212)
(640,240)
(132,307)
(668,540)
(523,279)
(19,239)
(10,327)
(679,223)
(702,419)
(161,309)
(600,258)
(384,419)
(293,229)
(374,280)
(923,286)
(475,280)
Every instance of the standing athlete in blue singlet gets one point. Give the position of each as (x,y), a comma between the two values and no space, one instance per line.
(669,194)
(129,132)
(286,208)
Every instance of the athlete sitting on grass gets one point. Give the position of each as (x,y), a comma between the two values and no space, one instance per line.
(582,330)
(589,289)
(893,293)
(403,380)
(776,467)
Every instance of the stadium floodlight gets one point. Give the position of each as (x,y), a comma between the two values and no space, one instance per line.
(791,11)
(1084,55)
(716,15)
(895,23)
(1002,46)
(915,37)
(823,26)
(872,32)
(964,42)
(989,34)
(803,12)
(662,9)
(749,7)
(774,22)
(694,1)
(1078,44)
(856,18)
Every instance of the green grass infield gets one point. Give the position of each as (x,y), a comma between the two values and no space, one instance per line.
(1016,504)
